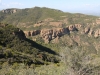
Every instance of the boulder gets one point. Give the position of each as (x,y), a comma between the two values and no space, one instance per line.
(35,32)
(97,33)
(72,28)
(87,29)
(78,26)
(90,32)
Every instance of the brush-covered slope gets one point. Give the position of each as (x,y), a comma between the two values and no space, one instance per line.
(28,15)
(36,18)
(16,48)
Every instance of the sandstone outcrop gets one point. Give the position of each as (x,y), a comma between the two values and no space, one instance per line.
(55,33)
(87,30)
(71,28)
(32,33)
(75,27)
(97,33)
(27,33)
(90,32)
(78,26)
(98,21)
(11,11)
(49,34)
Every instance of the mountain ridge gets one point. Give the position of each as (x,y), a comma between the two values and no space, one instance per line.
(39,14)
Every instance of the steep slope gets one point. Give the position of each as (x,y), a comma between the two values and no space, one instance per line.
(16,48)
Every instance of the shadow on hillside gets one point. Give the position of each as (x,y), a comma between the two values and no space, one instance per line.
(40,47)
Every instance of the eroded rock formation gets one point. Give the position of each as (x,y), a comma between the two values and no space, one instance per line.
(49,34)
(55,33)
(86,30)
(97,33)
(11,11)
(32,33)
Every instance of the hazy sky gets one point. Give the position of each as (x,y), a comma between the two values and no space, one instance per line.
(64,5)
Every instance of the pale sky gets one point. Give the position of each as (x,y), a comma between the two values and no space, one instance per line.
(64,5)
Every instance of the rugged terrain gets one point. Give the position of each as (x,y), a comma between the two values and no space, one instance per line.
(53,26)
(74,37)
(15,47)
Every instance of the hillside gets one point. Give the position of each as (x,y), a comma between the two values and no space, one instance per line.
(48,33)
(16,48)
(30,18)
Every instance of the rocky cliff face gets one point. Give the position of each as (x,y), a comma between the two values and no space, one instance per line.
(32,33)
(50,34)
